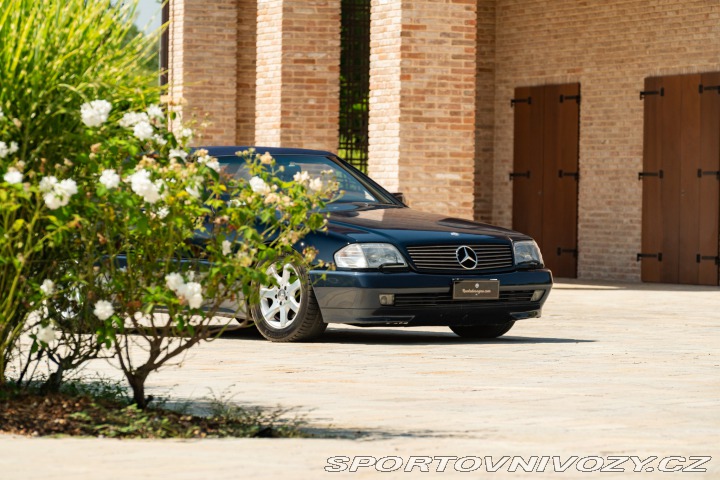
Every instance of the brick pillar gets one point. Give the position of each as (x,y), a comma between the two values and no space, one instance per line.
(298,73)
(485,111)
(203,65)
(246,76)
(422,102)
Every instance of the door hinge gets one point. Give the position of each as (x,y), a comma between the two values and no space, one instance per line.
(700,258)
(640,256)
(527,100)
(660,92)
(562,173)
(514,175)
(701,173)
(658,174)
(570,97)
(561,250)
(702,88)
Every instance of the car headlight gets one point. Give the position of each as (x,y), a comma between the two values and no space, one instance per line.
(368,255)
(527,253)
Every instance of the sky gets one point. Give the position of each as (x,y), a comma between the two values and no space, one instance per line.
(148,11)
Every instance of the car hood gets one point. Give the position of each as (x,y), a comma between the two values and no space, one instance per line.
(405,226)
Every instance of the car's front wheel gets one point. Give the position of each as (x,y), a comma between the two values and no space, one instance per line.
(483,331)
(287,310)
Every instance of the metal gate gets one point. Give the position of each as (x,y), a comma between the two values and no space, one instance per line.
(681,180)
(354,82)
(545,171)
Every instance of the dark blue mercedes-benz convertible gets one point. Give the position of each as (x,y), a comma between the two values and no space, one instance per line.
(394,266)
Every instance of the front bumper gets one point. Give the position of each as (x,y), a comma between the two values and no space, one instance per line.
(425,299)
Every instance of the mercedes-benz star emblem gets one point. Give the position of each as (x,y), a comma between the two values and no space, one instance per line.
(466,257)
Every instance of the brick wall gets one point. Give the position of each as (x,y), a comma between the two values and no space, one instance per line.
(298,73)
(609,47)
(422,102)
(203,64)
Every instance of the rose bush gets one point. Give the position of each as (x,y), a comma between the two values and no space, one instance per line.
(118,240)
(54,54)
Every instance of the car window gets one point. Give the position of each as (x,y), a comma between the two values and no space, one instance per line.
(350,184)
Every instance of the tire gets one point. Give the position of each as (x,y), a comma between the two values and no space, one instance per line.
(483,331)
(288,311)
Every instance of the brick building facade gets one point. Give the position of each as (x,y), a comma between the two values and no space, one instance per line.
(442,74)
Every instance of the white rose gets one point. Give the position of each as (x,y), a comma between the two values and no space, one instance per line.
(48,183)
(103,309)
(95,113)
(46,334)
(130,119)
(177,153)
(143,130)
(52,201)
(301,177)
(153,111)
(315,184)
(47,287)
(13,176)
(258,185)
(109,178)
(192,293)
(174,281)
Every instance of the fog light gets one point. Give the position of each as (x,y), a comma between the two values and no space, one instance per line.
(387,299)
(537,295)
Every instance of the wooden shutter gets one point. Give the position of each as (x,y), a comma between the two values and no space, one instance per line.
(681,207)
(545,171)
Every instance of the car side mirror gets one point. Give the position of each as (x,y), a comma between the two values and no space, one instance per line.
(400,197)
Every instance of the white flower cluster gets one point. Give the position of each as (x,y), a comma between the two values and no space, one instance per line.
(185,133)
(95,113)
(226,247)
(103,309)
(195,186)
(178,153)
(57,194)
(130,119)
(46,334)
(191,292)
(12,176)
(47,287)
(140,123)
(303,178)
(6,149)
(210,162)
(142,185)
(109,178)
(155,111)
(258,185)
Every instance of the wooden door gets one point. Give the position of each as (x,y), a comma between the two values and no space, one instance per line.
(545,171)
(681,165)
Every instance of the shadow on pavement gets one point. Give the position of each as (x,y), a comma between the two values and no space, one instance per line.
(399,336)
(574,284)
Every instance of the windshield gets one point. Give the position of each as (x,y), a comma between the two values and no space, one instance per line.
(352,186)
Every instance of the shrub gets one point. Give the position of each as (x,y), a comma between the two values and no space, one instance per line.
(54,56)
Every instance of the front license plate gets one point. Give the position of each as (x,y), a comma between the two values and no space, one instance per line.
(476,290)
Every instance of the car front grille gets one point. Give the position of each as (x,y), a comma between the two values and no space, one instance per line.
(444,257)
(438,299)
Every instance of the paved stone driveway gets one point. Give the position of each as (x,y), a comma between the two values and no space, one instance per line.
(609,370)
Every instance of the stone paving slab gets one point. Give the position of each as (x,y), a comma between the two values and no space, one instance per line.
(610,369)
